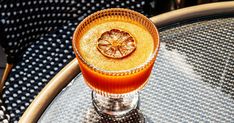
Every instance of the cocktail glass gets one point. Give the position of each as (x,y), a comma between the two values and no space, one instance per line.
(115,92)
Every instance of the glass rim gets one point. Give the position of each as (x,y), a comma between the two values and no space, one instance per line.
(117,72)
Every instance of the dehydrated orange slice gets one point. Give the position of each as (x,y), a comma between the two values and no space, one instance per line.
(116,44)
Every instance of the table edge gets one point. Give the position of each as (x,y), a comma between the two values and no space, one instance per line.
(47,94)
(193,12)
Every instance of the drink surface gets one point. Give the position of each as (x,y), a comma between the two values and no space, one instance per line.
(116,50)
(89,51)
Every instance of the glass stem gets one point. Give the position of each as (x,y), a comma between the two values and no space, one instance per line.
(115,104)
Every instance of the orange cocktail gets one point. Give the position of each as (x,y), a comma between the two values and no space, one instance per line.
(117,74)
(116,50)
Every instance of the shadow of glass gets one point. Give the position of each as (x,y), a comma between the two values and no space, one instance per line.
(135,116)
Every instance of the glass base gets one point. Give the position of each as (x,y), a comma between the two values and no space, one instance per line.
(115,105)
(134,116)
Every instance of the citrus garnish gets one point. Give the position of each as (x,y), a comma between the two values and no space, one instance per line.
(116,44)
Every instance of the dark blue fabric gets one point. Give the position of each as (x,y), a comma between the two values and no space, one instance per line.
(24,21)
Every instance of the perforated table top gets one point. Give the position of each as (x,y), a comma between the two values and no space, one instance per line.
(192,79)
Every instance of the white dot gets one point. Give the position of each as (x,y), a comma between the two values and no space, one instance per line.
(57,50)
(17,111)
(26,104)
(19,91)
(55,68)
(7,83)
(14,95)
(20,82)
(24,78)
(27,94)
(10,98)
(51,72)
(28,84)
(69,56)
(13,104)
(40,56)
(1,113)
(15,86)
(12,115)
(11,89)
(44,61)
(11,51)
(35,87)
(47,76)
(5,120)
(9,108)
(22,108)
(23,97)
(24,88)
(64,60)
(40,65)
(31,92)
(53,44)
(33,63)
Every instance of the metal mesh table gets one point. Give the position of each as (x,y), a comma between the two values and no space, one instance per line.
(192,79)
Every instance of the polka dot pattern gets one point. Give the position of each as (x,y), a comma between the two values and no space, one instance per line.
(40,62)
(25,21)
(36,36)
(4,116)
